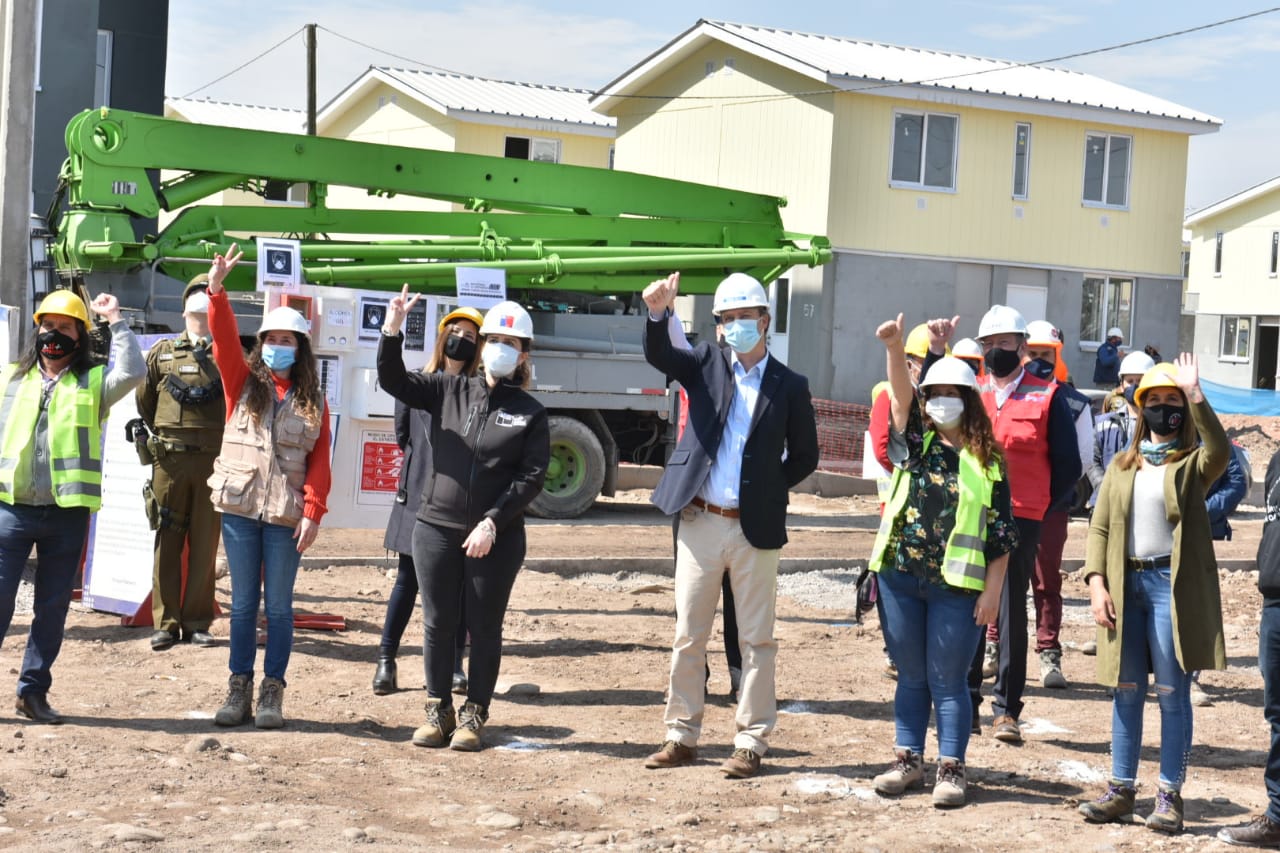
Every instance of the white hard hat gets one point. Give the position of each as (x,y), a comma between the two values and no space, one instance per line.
(197,303)
(950,370)
(1114,332)
(739,290)
(285,319)
(1042,333)
(1136,363)
(1000,320)
(508,318)
(967,348)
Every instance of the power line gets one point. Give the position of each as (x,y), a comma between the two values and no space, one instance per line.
(245,64)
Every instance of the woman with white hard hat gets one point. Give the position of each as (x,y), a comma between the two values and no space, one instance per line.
(941,553)
(270,482)
(1153,583)
(53,402)
(456,352)
(491,445)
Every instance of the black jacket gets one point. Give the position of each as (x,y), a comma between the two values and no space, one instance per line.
(783,421)
(413,427)
(1269,547)
(490,447)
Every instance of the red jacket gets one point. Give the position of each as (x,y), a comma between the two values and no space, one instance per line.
(1021,428)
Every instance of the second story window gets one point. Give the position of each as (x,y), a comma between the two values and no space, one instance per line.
(924,151)
(1021,159)
(532,148)
(1217,254)
(1106,169)
(1275,250)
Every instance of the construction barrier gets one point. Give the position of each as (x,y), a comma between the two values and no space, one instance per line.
(841,427)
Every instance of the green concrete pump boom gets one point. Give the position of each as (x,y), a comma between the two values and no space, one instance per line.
(545,224)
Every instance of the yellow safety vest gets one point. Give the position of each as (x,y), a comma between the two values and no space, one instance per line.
(964,562)
(75,433)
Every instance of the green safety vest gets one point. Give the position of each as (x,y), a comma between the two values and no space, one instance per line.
(964,563)
(75,433)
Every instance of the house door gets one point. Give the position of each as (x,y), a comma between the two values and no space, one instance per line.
(1031,301)
(1265,359)
(780,311)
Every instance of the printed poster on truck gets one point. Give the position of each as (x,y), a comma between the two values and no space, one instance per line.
(279,264)
(379,468)
(480,287)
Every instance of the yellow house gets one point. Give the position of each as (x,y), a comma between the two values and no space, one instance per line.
(946,182)
(1231,287)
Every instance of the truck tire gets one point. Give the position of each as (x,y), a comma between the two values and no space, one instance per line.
(575,473)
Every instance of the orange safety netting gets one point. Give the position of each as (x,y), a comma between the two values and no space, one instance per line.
(841,427)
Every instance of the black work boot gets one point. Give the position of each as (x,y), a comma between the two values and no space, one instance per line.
(384,678)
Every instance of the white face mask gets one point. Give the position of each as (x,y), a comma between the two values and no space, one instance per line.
(500,360)
(945,412)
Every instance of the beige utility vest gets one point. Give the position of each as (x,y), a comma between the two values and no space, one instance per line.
(262,466)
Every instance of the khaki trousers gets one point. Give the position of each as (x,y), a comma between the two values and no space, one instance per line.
(707,546)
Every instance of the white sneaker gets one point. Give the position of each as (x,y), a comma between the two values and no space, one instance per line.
(990,660)
(1199,698)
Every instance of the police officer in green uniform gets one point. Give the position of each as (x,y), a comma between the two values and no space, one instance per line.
(181,403)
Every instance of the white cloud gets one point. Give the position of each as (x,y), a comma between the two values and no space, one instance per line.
(1024,22)
(509,41)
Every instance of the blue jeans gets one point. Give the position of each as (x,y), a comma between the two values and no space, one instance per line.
(931,635)
(1269,663)
(58,535)
(1146,636)
(263,559)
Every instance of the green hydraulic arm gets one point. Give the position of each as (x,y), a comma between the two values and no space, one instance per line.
(547,225)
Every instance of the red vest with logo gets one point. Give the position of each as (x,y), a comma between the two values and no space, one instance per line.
(1021,429)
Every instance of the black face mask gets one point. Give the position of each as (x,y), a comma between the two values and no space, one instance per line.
(54,345)
(1164,419)
(459,348)
(1040,368)
(1002,362)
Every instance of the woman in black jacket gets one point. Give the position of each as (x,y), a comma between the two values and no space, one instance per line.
(456,352)
(490,447)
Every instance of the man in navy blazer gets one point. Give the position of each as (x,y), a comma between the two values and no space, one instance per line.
(751,436)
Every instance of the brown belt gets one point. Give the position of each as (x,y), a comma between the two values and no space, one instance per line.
(727,512)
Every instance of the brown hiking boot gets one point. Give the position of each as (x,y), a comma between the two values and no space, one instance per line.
(238,706)
(1116,804)
(270,704)
(1167,815)
(441,721)
(1262,831)
(949,788)
(743,764)
(672,754)
(471,720)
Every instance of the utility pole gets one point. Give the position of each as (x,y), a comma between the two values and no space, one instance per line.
(18,34)
(311,79)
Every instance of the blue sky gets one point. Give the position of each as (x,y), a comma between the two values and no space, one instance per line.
(1232,72)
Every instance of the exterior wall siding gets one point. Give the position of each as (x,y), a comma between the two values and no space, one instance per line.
(1246,284)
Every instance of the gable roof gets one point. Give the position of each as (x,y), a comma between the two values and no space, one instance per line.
(886,70)
(226,114)
(481,100)
(1242,197)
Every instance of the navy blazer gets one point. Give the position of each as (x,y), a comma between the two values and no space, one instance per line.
(783,421)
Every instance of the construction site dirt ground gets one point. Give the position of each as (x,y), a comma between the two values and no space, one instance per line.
(139,764)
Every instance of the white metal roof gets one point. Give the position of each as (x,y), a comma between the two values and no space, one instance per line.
(483,100)
(889,70)
(247,116)
(1229,202)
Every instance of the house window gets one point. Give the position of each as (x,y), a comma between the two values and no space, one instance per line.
(1021,159)
(1235,337)
(1104,303)
(532,148)
(924,151)
(102,70)
(1217,254)
(1275,250)
(1106,169)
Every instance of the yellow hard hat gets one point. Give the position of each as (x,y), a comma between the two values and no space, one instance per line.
(918,342)
(63,302)
(465,313)
(1160,376)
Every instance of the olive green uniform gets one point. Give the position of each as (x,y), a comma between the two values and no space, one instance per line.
(182,402)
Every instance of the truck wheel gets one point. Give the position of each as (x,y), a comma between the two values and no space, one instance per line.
(575,473)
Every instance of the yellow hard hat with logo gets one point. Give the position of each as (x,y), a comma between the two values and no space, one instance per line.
(63,302)
(1160,376)
(464,313)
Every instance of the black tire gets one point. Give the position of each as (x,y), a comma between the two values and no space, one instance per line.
(575,474)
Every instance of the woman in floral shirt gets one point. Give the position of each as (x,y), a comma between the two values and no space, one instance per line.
(941,553)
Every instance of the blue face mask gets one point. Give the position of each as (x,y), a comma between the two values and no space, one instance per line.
(742,335)
(278,357)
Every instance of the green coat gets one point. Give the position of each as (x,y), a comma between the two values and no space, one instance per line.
(1197,602)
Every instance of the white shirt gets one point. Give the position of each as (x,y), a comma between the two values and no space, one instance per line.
(722,483)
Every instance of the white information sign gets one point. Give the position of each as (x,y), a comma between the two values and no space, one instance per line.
(481,287)
(279,264)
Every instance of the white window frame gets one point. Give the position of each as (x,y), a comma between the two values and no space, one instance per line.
(1106,170)
(1108,311)
(106,70)
(1026,178)
(1233,357)
(919,185)
(534,141)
